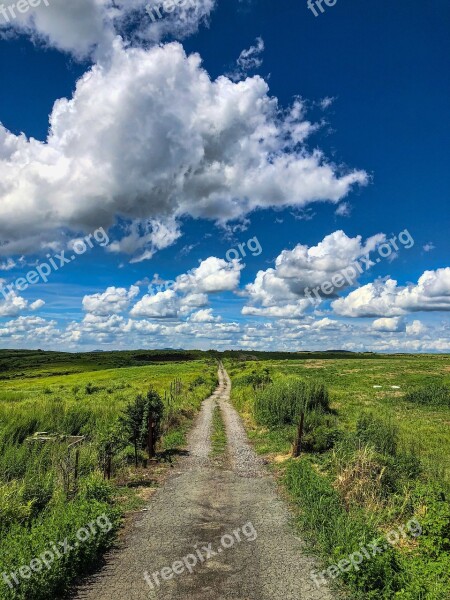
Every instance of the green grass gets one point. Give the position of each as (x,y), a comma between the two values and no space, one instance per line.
(389,462)
(219,436)
(77,395)
(351,381)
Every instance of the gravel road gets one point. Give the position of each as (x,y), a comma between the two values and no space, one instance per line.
(260,558)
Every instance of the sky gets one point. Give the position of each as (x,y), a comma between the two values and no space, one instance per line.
(238,174)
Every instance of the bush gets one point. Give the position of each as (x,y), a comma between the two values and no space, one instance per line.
(256,379)
(321,439)
(281,402)
(434,394)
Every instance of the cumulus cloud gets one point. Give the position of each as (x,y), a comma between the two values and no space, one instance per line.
(162,305)
(30,329)
(281,290)
(416,329)
(389,324)
(385,297)
(112,301)
(149,138)
(13,304)
(204,316)
(190,290)
(213,275)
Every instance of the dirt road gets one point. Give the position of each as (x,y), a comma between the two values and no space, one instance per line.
(179,547)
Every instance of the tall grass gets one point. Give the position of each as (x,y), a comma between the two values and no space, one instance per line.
(281,402)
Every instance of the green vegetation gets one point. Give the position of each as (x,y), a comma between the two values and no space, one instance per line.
(372,459)
(49,491)
(219,436)
(432,395)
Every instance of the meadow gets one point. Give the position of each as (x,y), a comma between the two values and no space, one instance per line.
(47,494)
(375,454)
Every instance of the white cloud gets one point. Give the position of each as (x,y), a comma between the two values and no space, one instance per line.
(86,27)
(8,265)
(283,288)
(249,60)
(211,276)
(13,304)
(389,324)
(37,304)
(428,247)
(113,300)
(30,329)
(162,305)
(343,210)
(387,299)
(204,316)
(149,138)
(416,329)
(326,102)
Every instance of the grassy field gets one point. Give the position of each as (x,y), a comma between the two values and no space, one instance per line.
(78,395)
(375,455)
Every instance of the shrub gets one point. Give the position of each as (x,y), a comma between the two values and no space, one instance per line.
(281,402)
(321,438)
(434,394)
(153,412)
(256,379)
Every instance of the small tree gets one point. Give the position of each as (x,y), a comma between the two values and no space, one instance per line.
(109,442)
(133,422)
(154,412)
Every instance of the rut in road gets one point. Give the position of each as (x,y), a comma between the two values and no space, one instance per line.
(201,502)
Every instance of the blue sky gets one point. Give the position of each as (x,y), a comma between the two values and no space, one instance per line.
(320,139)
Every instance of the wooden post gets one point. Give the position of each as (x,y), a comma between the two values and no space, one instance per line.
(298,442)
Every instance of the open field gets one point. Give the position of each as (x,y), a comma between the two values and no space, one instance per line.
(371,461)
(40,501)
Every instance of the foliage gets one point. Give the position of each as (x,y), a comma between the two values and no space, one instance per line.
(281,402)
(153,416)
(383,436)
(132,421)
